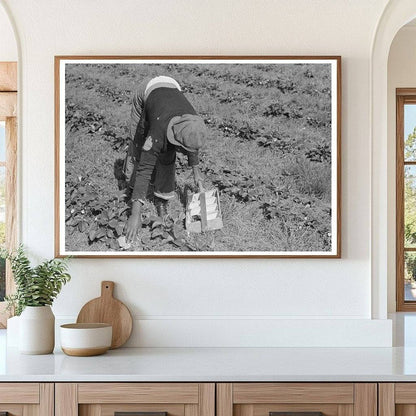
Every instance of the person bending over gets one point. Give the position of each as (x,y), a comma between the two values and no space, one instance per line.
(163,121)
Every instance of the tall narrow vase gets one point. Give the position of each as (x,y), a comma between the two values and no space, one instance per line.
(37,330)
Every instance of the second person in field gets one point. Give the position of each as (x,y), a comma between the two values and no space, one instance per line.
(163,121)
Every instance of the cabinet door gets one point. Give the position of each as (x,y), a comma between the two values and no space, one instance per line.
(397,399)
(145,399)
(297,399)
(26,399)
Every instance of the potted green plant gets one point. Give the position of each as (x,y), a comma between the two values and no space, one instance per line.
(36,289)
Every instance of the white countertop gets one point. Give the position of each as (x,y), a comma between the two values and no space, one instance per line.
(213,364)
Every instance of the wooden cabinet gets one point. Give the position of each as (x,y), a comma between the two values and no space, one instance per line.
(397,399)
(106,399)
(208,399)
(297,399)
(27,399)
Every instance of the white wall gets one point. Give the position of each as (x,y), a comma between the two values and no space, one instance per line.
(181,301)
(8,47)
(401,74)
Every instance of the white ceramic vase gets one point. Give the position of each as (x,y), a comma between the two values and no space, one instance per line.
(37,330)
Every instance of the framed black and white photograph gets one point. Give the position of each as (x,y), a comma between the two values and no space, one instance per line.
(198,156)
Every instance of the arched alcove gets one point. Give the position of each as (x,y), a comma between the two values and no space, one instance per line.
(8,44)
(396,14)
(9,57)
(401,74)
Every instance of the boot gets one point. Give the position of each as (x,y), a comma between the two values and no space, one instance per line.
(161,207)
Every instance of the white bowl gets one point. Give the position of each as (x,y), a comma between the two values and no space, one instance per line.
(83,340)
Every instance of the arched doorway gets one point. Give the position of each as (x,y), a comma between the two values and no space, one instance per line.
(396,14)
(8,149)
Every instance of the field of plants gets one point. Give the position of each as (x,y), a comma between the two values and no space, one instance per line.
(268,153)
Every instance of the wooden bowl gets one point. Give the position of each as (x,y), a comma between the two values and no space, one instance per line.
(84,340)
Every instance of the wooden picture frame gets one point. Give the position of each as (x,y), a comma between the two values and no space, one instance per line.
(295,125)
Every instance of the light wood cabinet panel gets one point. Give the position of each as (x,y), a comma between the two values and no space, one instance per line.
(138,393)
(386,401)
(66,399)
(288,393)
(365,399)
(27,399)
(104,399)
(331,399)
(207,399)
(224,399)
(191,410)
(110,409)
(397,399)
(19,393)
(405,393)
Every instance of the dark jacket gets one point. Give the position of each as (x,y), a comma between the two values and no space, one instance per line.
(161,106)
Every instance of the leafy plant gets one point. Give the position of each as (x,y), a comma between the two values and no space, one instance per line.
(35,286)
(410,145)
(410,210)
(288,110)
(321,153)
(167,229)
(102,218)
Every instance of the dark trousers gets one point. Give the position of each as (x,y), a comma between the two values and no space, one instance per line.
(163,176)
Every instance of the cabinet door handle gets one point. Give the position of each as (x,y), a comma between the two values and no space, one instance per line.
(138,414)
(296,414)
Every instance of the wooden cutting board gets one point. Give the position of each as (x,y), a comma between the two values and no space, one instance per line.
(107,309)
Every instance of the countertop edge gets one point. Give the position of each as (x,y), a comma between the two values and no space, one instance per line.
(168,379)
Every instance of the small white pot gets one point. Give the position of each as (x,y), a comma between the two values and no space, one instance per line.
(37,330)
(86,339)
